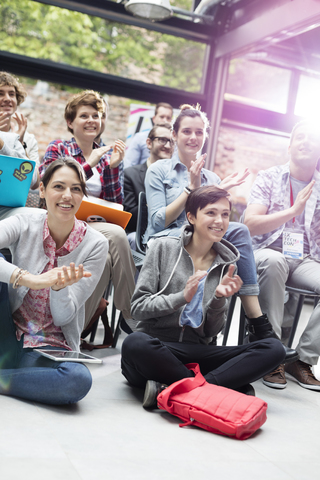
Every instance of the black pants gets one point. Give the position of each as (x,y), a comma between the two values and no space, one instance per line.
(147,358)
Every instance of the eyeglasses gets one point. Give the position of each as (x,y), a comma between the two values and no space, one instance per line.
(164,140)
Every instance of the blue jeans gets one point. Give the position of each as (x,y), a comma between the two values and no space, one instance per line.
(26,374)
(238,234)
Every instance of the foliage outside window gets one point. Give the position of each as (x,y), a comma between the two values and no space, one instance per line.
(43,31)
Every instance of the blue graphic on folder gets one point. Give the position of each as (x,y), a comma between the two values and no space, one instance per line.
(15,180)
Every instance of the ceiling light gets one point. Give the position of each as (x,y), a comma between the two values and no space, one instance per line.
(154,10)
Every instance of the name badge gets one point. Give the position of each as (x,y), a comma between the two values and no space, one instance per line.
(292,245)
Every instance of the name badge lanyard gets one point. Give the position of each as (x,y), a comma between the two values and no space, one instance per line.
(292,202)
(292,246)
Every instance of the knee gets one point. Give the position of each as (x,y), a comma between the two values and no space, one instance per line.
(134,344)
(274,349)
(274,261)
(240,232)
(77,382)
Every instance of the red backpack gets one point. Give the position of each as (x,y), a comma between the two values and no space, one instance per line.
(213,408)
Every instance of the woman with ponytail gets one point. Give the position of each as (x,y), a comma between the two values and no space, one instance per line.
(168,185)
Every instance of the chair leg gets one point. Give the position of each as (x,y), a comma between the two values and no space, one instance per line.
(94,331)
(113,318)
(242,326)
(229,319)
(117,331)
(296,320)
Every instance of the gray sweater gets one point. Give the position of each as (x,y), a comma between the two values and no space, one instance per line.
(23,235)
(158,300)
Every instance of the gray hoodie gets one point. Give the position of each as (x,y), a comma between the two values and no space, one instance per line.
(158,300)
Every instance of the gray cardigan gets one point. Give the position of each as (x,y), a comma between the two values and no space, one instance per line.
(23,235)
(158,300)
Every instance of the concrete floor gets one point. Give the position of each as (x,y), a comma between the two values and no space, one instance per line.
(108,435)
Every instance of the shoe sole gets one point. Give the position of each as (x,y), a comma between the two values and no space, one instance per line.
(315,388)
(279,386)
(148,401)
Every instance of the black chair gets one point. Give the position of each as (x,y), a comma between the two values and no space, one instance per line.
(302,295)
(242,322)
(6,253)
(142,222)
(121,324)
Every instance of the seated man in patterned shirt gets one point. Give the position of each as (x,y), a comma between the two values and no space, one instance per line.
(83,115)
(283,217)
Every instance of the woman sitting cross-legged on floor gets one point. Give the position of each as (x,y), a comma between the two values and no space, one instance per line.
(180,303)
(46,308)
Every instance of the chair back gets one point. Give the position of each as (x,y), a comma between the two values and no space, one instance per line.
(142,222)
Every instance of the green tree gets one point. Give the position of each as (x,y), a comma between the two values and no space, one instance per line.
(43,31)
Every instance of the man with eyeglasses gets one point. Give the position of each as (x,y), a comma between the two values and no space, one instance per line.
(137,152)
(160,145)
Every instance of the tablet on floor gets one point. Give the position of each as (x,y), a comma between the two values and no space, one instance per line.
(67,356)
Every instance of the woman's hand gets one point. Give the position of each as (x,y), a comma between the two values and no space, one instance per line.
(195,171)
(4,120)
(57,278)
(22,125)
(192,284)
(229,284)
(234,180)
(96,155)
(117,155)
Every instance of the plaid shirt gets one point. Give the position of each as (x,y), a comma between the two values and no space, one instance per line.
(110,181)
(272,189)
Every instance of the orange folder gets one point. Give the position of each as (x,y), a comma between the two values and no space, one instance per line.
(111,212)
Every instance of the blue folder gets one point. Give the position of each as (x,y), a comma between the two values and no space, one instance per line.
(15,180)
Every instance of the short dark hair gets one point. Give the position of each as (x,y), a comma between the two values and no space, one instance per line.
(87,97)
(200,197)
(65,162)
(12,81)
(153,131)
(164,105)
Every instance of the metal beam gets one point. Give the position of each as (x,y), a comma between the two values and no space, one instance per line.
(64,74)
(116,12)
(215,106)
(278,24)
(247,115)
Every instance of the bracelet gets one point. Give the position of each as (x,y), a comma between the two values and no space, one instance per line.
(187,190)
(24,145)
(18,278)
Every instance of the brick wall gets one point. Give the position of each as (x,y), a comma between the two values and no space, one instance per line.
(237,148)
(44,108)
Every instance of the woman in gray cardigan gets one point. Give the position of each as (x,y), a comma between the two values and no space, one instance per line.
(57,262)
(180,303)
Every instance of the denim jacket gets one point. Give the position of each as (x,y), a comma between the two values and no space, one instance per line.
(164,182)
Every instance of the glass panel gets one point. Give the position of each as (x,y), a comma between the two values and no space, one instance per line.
(259,85)
(308,98)
(42,31)
(239,149)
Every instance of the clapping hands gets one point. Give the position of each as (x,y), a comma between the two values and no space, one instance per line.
(229,284)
